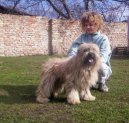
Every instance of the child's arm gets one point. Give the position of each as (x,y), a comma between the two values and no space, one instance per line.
(74,47)
(105,50)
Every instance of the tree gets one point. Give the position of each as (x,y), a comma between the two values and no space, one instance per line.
(126,2)
(67,9)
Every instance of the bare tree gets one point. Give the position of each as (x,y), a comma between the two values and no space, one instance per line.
(16,2)
(68,9)
(126,2)
(86,3)
(65,8)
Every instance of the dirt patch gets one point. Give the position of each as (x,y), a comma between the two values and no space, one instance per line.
(51,112)
(3,92)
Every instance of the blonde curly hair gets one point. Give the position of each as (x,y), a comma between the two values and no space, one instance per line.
(89,17)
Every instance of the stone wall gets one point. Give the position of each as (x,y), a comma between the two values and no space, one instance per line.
(27,35)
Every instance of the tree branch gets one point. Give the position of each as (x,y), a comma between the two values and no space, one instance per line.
(57,10)
(16,3)
(66,8)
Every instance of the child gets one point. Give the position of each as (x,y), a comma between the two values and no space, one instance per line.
(91,24)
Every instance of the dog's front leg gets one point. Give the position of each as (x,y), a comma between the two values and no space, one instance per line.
(73,97)
(86,95)
(72,94)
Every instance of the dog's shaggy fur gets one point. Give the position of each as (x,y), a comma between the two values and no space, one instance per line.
(77,74)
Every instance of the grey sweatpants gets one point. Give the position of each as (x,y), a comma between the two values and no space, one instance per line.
(104,73)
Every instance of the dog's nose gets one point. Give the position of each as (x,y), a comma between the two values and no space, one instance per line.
(91,55)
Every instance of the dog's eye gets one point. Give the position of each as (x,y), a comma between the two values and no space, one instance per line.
(85,50)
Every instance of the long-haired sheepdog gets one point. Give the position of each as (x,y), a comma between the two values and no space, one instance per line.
(76,74)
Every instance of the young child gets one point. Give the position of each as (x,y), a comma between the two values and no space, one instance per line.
(91,24)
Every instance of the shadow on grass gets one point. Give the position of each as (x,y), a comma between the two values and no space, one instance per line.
(11,94)
(22,94)
(60,99)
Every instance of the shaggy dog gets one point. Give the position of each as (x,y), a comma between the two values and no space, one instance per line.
(77,74)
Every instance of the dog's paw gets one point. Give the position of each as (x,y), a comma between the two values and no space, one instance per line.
(73,97)
(73,101)
(89,98)
(55,94)
(42,100)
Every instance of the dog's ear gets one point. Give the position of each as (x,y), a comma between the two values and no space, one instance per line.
(82,43)
(78,51)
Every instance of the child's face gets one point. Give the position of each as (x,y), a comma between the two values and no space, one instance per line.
(91,27)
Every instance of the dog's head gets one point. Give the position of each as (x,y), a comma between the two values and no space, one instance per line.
(88,54)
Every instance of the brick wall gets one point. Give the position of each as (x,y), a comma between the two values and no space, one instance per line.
(63,33)
(117,33)
(25,35)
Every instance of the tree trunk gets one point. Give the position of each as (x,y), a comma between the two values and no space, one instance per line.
(86,3)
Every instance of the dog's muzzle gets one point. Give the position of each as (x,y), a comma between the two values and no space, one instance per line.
(90,59)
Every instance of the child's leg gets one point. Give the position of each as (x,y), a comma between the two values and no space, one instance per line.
(104,74)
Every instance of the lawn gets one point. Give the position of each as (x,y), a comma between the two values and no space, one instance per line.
(19,77)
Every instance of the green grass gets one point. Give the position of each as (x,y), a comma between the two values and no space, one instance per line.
(19,77)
